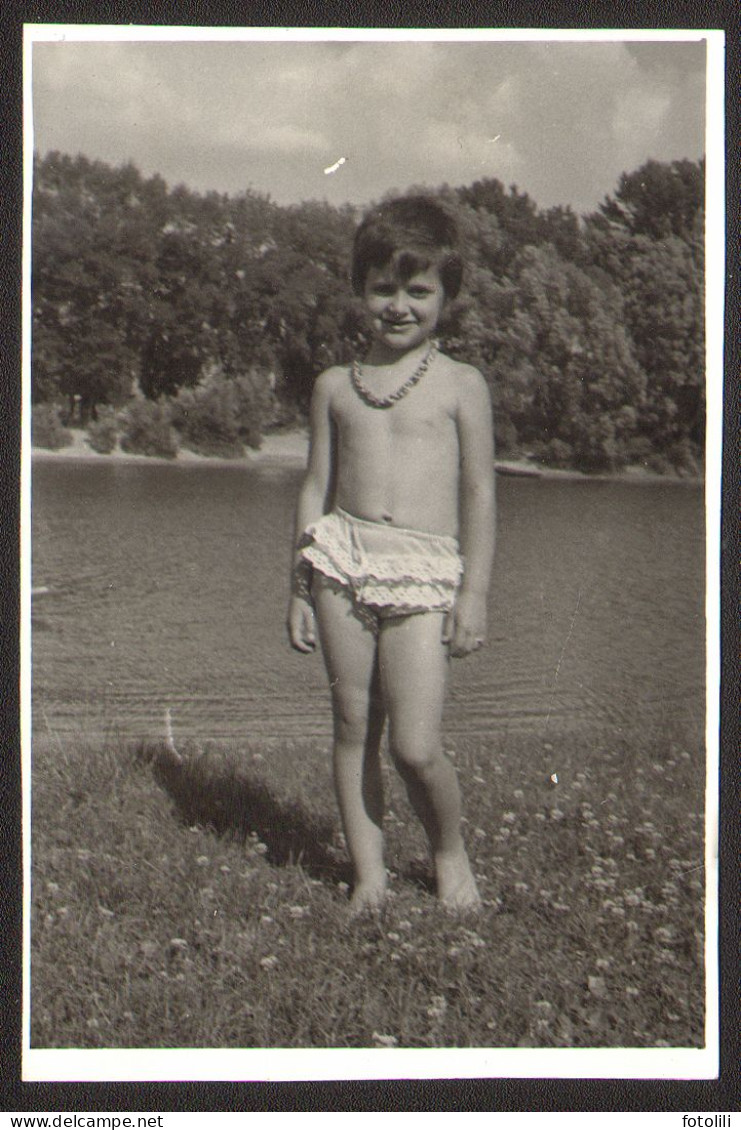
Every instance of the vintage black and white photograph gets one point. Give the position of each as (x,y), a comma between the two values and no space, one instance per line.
(371,440)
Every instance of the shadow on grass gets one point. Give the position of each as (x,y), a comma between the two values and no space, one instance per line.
(419,874)
(212,791)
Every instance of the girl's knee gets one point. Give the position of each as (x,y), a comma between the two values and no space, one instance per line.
(355,714)
(416,753)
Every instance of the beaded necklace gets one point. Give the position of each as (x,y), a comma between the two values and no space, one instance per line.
(388,401)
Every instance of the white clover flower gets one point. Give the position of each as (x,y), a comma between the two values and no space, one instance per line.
(597,986)
(437,1008)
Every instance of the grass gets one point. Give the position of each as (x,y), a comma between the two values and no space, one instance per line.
(203,903)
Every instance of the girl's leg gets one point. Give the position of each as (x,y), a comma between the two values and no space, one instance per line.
(413,664)
(350,655)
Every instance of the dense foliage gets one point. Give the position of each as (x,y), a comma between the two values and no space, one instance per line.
(223,310)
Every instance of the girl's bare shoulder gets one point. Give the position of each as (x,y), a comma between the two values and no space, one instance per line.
(467,379)
(331,379)
(328,384)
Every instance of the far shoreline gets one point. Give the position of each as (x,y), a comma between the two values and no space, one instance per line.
(290,449)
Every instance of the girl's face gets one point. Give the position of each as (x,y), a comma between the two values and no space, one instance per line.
(403,314)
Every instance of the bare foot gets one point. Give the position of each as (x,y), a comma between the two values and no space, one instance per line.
(456,886)
(369,895)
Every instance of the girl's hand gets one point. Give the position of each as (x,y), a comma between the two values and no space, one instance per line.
(301,630)
(464,629)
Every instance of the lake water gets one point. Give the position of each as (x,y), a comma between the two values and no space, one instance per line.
(168,588)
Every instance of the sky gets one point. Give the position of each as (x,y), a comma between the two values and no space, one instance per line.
(350,121)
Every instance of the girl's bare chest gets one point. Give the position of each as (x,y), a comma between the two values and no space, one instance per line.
(410,419)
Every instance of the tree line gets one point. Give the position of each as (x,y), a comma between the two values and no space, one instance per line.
(215,313)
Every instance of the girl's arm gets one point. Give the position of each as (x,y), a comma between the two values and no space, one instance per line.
(314,500)
(316,490)
(466,624)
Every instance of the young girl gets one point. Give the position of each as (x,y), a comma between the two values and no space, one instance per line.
(395,537)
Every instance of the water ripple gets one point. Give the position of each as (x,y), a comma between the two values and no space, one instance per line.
(167,588)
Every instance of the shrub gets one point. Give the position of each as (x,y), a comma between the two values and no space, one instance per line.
(658,463)
(146,429)
(685,458)
(205,417)
(506,435)
(220,415)
(641,450)
(254,404)
(558,453)
(47,429)
(102,433)
(596,447)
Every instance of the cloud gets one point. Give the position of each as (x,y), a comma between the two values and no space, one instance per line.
(568,117)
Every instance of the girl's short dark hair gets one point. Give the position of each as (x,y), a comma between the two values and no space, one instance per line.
(412,233)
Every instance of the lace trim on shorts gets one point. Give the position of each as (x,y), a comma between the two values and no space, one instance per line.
(393,570)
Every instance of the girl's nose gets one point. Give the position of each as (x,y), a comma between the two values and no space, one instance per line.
(397,301)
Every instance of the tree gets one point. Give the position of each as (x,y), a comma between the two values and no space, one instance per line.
(85,307)
(659,199)
(516,216)
(649,240)
(665,316)
(564,380)
(589,332)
